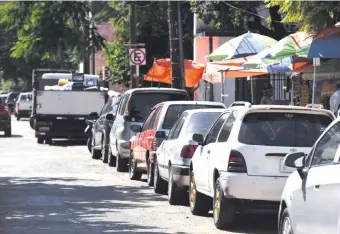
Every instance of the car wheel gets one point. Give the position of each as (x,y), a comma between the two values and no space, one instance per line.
(18,117)
(223,209)
(40,140)
(121,164)
(104,151)
(89,143)
(150,172)
(96,154)
(285,223)
(8,132)
(159,184)
(48,141)
(199,203)
(175,196)
(111,160)
(134,174)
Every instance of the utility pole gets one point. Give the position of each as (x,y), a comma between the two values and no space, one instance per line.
(134,80)
(180,41)
(174,44)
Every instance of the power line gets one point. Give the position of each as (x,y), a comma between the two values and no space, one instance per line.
(262,17)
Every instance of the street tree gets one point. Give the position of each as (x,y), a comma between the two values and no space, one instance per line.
(312,15)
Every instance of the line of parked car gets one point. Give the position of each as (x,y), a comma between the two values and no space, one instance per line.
(241,159)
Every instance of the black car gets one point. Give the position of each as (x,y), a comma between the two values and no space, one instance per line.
(11,100)
(101,130)
(5,119)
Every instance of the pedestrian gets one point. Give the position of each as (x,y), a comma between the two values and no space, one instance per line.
(334,101)
(268,92)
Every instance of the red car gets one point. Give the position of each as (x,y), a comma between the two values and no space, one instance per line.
(5,119)
(154,131)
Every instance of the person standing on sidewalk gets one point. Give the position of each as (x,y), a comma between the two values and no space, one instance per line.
(334,101)
(267,94)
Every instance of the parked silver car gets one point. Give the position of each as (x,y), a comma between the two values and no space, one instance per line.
(134,108)
(23,105)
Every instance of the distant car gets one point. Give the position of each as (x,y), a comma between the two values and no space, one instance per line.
(5,119)
(310,200)
(11,99)
(175,152)
(161,119)
(101,131)
(239,163)
(23,105)
(135,106)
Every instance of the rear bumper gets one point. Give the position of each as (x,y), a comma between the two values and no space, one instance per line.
(243,186)
(23,113)
(181,175)
(62,135)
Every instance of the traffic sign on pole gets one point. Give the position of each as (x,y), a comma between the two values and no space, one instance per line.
(137,56)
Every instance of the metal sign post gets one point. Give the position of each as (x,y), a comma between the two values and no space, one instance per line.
(222,85)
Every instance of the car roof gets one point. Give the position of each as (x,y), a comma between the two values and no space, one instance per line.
(169,103)
(205,110)
(130,91)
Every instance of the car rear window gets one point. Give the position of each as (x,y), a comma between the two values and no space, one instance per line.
(282,129)
(12,97)
(201,122)
(141,103)
(175,111)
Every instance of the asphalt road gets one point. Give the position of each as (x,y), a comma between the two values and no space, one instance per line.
(58,188)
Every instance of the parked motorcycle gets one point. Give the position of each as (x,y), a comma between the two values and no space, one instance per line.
(88,129)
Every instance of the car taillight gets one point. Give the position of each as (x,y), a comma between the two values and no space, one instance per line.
(237,162)
(188,151)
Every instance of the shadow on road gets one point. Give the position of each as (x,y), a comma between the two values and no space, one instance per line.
(66,143)
(13,136)
(65,205)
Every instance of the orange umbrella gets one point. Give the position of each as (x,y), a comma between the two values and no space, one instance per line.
(161,72)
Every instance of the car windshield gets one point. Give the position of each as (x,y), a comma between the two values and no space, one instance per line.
(282,129)
(175,111)
(201,122)
(141,103)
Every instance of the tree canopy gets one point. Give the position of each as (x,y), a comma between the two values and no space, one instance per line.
(312,15)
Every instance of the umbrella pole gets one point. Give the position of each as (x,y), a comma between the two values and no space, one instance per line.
(252,90)
(314,78)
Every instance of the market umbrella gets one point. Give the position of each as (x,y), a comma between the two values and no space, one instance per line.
(242,46)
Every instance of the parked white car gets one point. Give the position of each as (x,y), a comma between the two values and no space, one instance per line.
(174,154)
(310,200)
(240,162)
(23,105)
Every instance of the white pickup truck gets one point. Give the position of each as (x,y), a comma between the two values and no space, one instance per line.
(62,101)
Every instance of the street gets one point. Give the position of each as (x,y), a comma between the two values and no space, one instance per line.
(58,188)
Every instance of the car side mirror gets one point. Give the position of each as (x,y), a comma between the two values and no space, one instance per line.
(110,117)
(94,115)
(160,134)
(295,160)
(199,138)
(136,128)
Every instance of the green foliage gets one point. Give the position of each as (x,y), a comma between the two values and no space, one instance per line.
(312,15)
(57,31)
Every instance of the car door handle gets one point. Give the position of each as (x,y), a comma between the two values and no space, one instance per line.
(316,187)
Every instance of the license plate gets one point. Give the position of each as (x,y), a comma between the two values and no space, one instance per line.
(284,168)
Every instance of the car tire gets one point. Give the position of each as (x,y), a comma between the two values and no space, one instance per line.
(150,172)
(18,117)
(89,143)
(285,225)
(8,132)
(134,174)
(160,185)
(48,141)
(199,203)
(111,160)
(223,208)
(96,154)
(40,140)
(175,196)
(104,151)
(121,164)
